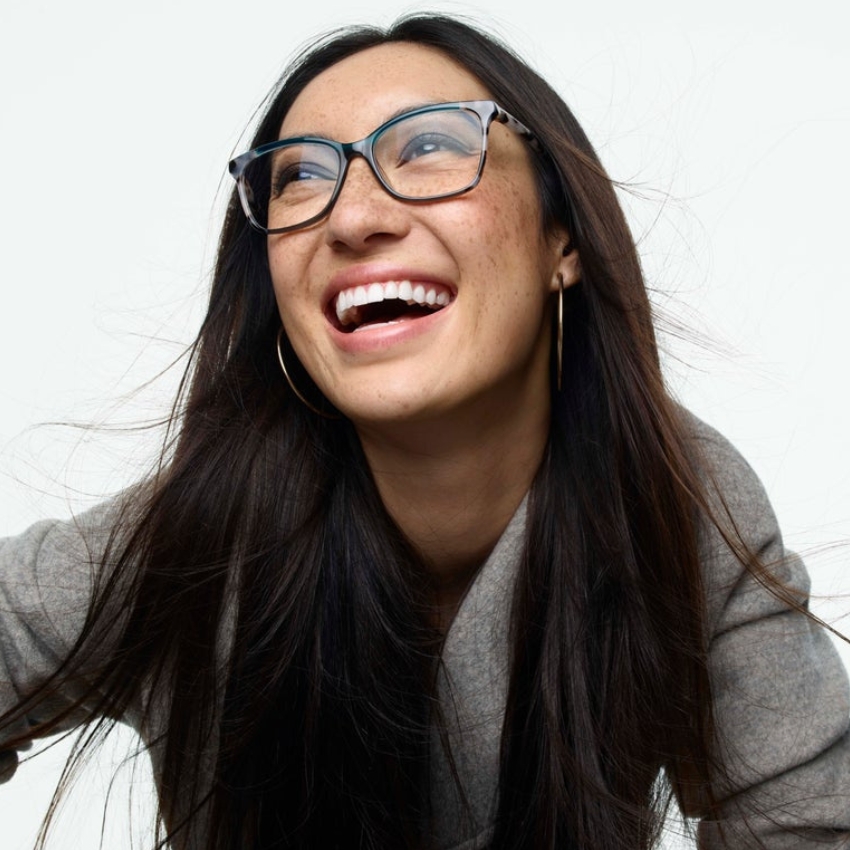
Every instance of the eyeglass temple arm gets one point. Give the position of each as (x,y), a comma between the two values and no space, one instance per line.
(517,126)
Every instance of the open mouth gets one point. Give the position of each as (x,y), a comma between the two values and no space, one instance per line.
(387,303)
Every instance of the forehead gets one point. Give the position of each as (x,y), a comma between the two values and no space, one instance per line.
(352,97)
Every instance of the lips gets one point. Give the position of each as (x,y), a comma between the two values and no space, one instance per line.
(387,302)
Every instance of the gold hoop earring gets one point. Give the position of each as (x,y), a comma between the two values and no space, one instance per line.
(292,386)
(559,340)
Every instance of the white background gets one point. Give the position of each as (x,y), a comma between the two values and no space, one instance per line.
(729,121)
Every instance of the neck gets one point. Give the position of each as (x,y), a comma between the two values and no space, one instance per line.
(452,486)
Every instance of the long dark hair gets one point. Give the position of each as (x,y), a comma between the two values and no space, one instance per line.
(272,629)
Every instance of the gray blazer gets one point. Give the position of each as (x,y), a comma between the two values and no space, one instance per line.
(781,695)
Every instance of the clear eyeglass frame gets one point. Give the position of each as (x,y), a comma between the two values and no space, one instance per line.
(487,111)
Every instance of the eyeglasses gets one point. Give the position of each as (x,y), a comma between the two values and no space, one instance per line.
(423,155)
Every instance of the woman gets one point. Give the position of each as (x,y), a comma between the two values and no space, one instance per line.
(432,558)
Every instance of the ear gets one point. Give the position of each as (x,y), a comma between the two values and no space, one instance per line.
(568,266)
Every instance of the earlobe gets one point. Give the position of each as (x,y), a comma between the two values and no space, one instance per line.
(568,271)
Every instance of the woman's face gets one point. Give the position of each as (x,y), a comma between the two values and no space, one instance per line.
(484,253)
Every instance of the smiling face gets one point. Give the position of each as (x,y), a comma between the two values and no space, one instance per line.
(409,312)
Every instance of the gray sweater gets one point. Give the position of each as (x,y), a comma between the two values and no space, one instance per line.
(781,695)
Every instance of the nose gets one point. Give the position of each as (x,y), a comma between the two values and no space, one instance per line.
(364,212)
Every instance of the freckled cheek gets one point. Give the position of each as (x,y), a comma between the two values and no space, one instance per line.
(278,272)
(288,283)
(509,234)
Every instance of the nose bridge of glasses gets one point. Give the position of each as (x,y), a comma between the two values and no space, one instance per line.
(363,149)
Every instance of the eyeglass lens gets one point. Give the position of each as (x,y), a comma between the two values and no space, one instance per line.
(420,156)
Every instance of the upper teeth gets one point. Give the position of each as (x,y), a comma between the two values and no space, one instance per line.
(404,290)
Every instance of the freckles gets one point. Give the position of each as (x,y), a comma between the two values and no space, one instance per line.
(288,260)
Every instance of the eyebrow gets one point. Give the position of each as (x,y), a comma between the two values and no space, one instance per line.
(413,107)
(402,110)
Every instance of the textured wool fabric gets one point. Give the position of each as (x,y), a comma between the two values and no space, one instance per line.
(781,695)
